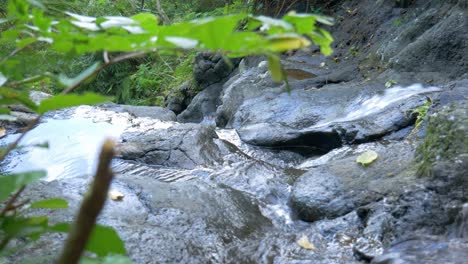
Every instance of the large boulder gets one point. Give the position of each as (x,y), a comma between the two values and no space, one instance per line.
(203,105)
(211,68)
(342,185)
(324,119)
(179,145)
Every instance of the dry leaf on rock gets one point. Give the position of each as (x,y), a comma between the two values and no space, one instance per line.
(367,157)
(116,195)
(2,132)
(304,243)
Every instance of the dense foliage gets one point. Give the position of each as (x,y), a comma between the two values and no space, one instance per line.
(39,40)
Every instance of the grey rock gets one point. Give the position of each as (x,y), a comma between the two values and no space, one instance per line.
(178,100)
(431,250)
(153,112)
(325,119)
(211,68)
(203,105)
(250,84)
(342,185)
(181,145)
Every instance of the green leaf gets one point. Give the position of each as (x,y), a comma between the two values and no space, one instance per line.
(51,204)
(69,82)
(11,183)
(148,22)
(390,83)
(367,157)
(18,8)
(113,259)
(37,4)
(105,241)
(68,100)
(31,227)
(60,228)
(18,97)
(4,111)
(276,69)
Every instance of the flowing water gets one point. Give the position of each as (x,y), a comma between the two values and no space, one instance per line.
(235,211)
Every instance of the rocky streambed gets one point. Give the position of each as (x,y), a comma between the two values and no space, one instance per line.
(247,172)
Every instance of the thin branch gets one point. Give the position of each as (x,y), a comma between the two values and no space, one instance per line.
(28,80)
(10,204)
(105,56)
(90,208)
(4,242)
(13,53)
(13,145)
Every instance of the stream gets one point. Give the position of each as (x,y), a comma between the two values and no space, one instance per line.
(198,194)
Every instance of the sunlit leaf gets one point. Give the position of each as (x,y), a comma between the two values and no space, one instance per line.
(367,157)
(286,42)
(11,183)
(68,100)
(50,204)
(148,22)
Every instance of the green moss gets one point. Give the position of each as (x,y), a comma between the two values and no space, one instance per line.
(445,138)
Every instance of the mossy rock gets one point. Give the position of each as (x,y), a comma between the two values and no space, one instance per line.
(446,137)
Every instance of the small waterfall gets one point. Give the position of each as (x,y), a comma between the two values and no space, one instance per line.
(364,106)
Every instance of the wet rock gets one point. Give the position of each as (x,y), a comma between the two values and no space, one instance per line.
(445,146)
(178,100)
(211,68)
(154,112)
(249,84)
(342,185)
(367,249)
(440,46)
(324,119)
(429,250)
(180,145)
(189,221)
(203,105)
(454,91)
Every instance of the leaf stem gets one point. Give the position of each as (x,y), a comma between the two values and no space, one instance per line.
(10,204)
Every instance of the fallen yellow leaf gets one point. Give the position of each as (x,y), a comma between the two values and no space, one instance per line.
(2,132)
(116,195)
(367,157)
(304,243)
